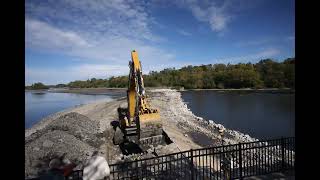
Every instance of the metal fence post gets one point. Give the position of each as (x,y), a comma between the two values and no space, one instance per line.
(282,153)
(192,168)
(240,161)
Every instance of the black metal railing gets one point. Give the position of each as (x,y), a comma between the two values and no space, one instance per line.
(223,162)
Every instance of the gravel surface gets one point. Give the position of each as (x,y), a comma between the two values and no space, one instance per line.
(72,133)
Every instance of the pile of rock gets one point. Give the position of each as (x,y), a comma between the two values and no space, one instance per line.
(184,115)
(72,134)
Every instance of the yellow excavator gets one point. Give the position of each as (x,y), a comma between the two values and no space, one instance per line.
(139,123)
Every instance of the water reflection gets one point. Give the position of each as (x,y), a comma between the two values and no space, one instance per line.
(41,104)
(38,95)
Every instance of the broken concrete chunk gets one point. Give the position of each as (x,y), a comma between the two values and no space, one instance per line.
(97,168)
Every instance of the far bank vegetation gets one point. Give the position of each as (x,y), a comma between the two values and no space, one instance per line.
(264,74)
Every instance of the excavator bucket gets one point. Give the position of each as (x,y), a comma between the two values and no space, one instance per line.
(150,129)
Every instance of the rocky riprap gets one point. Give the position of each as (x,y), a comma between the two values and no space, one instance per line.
(73,135)
(177,110)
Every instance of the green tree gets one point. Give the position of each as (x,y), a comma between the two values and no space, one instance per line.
(266,73)
(39,85)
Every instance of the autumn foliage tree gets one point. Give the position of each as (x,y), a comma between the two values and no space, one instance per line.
(266,73)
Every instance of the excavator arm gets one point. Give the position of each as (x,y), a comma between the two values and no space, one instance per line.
(137,104)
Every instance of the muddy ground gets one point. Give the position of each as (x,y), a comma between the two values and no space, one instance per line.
(78,132)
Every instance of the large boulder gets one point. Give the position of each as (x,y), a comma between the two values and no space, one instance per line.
(96,168)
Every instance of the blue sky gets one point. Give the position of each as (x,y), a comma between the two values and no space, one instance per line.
(77,40)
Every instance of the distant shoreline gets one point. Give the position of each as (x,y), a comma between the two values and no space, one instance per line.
(94,91)
(89,91)
(259,90)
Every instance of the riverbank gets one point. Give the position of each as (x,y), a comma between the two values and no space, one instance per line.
(268,90)
(90,91)
(81,131)
(93,91)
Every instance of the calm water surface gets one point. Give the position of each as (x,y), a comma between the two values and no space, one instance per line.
(40,105)
(261,115)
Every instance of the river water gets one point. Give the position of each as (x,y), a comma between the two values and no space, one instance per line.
(42,104)
(261,115)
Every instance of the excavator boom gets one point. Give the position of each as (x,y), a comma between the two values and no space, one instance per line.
(137,103)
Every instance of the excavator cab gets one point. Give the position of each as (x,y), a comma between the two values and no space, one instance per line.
(139,123)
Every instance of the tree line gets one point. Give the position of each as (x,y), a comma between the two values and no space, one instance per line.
(266,73)
(36,86)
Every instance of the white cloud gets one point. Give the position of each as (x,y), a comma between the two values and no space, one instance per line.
(42,35)
(217,13)
(96,17)
(291,38)
(217,16)
(264,41)
(86,71)
(265,53)
(99,34)
(79,72)
(183,32)
(254,42)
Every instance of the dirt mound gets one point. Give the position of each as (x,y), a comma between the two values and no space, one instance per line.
(72,134)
